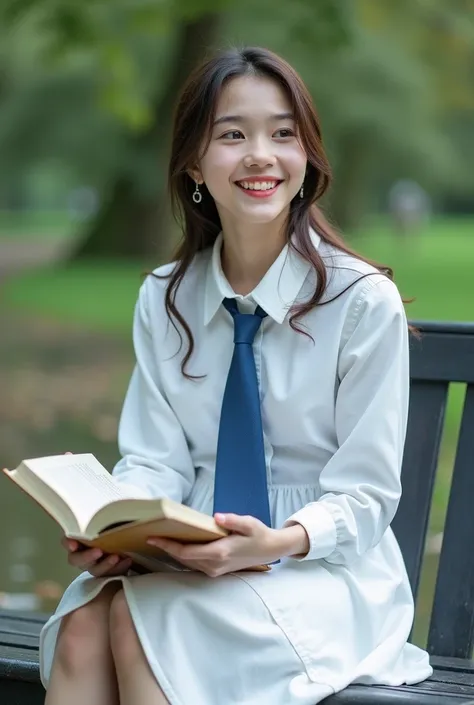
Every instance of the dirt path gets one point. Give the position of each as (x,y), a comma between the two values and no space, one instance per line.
(16,255)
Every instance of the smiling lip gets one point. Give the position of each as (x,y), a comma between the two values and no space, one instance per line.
(260,193)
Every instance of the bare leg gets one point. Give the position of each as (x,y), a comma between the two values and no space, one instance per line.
(83,669)
(137,684)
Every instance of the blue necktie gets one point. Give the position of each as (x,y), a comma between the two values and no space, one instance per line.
(240,484)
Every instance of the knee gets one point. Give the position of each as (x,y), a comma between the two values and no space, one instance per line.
(124,641)
(82,639)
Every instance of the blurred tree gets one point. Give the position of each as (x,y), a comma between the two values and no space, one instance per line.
(387,92)
(384,97)
(93,84)
(133,219)
(133,216)
(390,97)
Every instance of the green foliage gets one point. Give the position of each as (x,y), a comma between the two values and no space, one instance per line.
(110,33)
(76,108)
(383,88)
(291,28)
(105,34)
(387,86)
(393,82)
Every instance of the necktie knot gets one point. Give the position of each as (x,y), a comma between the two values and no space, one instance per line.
(246,325)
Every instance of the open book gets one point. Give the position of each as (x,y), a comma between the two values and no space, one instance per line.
(96,510)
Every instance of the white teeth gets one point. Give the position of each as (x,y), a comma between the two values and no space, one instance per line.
(258,185)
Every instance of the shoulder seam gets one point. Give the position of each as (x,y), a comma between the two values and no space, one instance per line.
(369,284)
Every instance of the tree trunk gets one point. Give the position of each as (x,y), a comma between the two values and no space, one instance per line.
(349,200)
(130,224)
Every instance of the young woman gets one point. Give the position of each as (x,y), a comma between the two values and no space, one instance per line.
(271,389)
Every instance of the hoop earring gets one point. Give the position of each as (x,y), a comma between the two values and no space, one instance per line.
(302,190)
(197,195)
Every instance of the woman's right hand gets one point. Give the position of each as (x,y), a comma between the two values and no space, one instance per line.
(94,560)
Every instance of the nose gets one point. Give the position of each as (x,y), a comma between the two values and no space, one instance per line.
(259,154)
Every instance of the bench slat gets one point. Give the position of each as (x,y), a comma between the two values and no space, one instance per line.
(425,428)
(455,677)
(25,641)
(446,357)
(20,628)
(452,686)
(452,620)
(28,617)
(447,663)
(19,664)
(427,693)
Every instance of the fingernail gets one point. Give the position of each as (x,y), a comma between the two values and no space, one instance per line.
(97,553)
(220,517)
(113,560)
(153,542)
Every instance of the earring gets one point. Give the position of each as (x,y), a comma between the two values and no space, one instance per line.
(302,190)
(197,195)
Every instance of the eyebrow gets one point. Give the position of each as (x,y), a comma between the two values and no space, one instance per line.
(240,118)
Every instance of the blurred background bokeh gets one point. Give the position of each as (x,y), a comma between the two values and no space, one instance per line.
(86,97)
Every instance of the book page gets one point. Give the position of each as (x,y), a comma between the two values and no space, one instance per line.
(80,480)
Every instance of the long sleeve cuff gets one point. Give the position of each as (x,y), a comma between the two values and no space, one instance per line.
(320,526)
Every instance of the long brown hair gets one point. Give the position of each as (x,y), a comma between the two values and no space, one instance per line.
(200,225)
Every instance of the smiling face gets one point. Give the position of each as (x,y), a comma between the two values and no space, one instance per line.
(254,164)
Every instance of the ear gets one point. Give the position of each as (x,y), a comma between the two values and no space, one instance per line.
(196,175)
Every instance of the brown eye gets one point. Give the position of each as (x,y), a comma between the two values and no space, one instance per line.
(232,135)
(284,132)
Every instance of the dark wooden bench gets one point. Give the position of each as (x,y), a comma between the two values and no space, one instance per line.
(444,354)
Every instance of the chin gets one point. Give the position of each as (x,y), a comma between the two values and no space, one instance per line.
(261,216)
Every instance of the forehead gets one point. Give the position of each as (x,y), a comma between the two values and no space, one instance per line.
(252,96)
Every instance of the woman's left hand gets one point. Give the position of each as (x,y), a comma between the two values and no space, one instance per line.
(251,543)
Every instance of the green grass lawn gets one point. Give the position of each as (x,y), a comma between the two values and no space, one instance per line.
(35,224)
(98,295)
(436,269)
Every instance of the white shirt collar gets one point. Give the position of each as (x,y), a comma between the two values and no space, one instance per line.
(275,293)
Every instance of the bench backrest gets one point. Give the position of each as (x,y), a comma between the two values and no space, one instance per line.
(444,354)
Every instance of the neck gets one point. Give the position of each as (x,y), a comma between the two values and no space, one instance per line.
(248,252)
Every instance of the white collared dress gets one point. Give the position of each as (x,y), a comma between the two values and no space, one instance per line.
(334,410)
